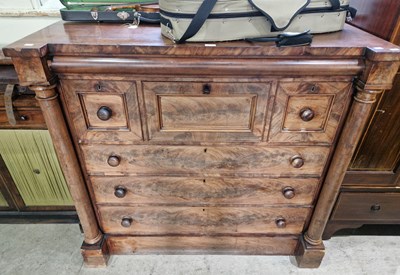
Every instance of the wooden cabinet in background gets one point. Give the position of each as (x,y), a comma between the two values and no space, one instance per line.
(370,193)
(32,186)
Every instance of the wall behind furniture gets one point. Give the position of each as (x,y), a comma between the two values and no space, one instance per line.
(29,7)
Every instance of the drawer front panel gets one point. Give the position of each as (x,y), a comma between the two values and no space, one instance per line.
(367,206)
(92,104)
(225,245)
(202,220)
(206,161)
(25,118)
(177,190)
(194,111)
(308,111)
(99,110)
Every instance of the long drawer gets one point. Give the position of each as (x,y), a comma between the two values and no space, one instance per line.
(206,161)
(153,220)
(195,191)
(367,207)
(225,245)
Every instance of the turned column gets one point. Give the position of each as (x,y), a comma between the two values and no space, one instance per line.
(356,121)
(32,66)
(377,76)
(48,101)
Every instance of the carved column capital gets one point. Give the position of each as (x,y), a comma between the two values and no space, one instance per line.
(44,91)
(366,96)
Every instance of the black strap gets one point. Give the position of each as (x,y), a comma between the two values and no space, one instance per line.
(352,12)
(335,4)
(198,20)
(287,39)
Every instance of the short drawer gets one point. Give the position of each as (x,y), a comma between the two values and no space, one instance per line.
(24,118)
(26,111)
(205,161)
(367,207)
(187,111)
(195,191)
(202,220)
(308,112)
(99,110)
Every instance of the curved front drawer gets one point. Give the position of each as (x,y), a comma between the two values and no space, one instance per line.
(202,220)
(203,191)
(205,161)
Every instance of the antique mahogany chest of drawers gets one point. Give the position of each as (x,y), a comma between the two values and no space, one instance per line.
(235,148)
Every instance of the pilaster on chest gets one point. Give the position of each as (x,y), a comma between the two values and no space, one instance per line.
(233,149)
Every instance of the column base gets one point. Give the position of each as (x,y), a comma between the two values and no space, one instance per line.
(307,255)
(95,255)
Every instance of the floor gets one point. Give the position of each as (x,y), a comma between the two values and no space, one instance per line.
(54,249)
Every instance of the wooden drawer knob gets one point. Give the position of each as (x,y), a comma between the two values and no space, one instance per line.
(113,161)
(126,222)
(375,207)
(288,192)
(297,161)
(120,192)
(280,222)
(24,118)
(306,114)
(104,113)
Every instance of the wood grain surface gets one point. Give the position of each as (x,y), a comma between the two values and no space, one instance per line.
(203,191)
(204,160)
(365,207)
(83,98)
(27,112)
(327,100)
(228,245)
(152,220)
(230,111)
(165,127)
(380,147)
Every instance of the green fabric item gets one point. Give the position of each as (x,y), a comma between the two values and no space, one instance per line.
(32,162)
(3,201)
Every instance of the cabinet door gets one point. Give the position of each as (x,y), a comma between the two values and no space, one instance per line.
(376,161)
(31,160)
(382,26)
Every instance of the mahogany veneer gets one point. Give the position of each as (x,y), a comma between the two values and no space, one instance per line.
(236,148)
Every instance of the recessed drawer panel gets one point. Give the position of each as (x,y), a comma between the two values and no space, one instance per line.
(202,220)
(205,161)
(308,111)
(193,191)
(365,207)
(100,110)
(194,111)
